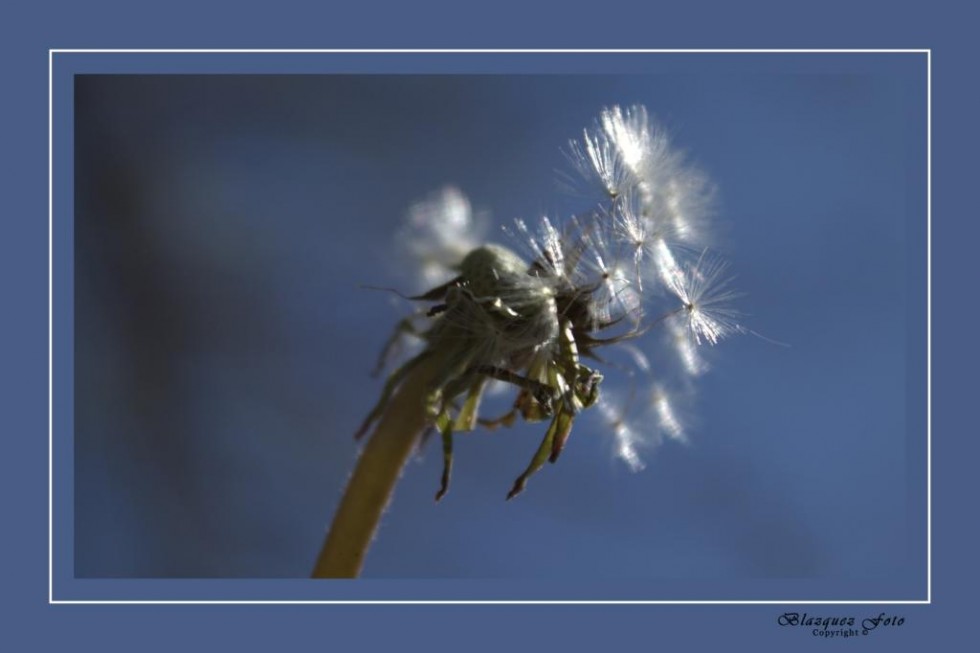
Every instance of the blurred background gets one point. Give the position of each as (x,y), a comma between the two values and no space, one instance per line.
(225,227)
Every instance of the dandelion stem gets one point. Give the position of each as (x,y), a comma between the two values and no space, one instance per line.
(371,485)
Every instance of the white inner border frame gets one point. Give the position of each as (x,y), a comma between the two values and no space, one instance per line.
(927,52)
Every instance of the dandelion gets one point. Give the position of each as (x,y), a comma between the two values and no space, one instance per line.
(597,160)
(706,295)
(637,144)
(627,433)
(685,206)
(681,341)
(655,202)
(540,317)
(439,231)
(636,425)
(668,418)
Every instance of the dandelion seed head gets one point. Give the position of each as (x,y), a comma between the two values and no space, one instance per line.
(629,131)
(637,425)
(617,295)
(439,231)
(628,225)
(547,248)
(667,418)
(627,436)
(619,150)
(706,296)
(683,345)
(627,451)
(668,269)
(606,267)
(686,205)
(597,161)
(637,356)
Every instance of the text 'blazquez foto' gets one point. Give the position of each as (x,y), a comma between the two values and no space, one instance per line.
(838,626)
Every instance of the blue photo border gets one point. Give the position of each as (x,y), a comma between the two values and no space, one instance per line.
(64,65)
(30,30)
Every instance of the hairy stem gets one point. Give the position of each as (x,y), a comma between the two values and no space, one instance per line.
(371,485)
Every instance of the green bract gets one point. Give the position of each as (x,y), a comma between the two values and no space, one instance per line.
(499,319)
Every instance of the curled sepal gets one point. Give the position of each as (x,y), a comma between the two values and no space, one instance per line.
(561,426)
(468,416)
(445,425)
(565,420)
(507,420)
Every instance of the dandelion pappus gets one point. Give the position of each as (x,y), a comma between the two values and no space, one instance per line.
(529,321)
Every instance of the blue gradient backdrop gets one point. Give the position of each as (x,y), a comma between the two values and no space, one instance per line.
(224,225)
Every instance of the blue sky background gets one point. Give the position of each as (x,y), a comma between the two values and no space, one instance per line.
(224,226)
